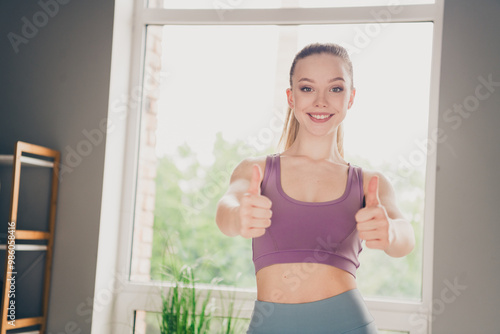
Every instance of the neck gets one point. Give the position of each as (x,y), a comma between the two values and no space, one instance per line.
(317,148)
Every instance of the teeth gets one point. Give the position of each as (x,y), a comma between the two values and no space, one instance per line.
(320,116)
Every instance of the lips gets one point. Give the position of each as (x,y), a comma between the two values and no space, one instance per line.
(319,117)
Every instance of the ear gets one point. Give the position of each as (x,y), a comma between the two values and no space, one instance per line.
(289,98)
(351,98)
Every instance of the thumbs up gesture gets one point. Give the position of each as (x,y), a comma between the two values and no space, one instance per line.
(255,209)
(373,223)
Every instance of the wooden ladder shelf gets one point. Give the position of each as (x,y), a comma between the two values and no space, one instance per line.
(42,157)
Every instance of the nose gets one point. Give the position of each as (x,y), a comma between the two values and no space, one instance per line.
(320,101)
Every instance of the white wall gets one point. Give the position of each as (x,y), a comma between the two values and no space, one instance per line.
(467,221)
(55,87)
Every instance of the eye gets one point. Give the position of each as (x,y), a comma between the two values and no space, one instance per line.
(306,89)
(337,89)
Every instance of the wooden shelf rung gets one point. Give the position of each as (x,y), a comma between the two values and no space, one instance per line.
(26,322)
(37,150)
(32,235)
(26,247)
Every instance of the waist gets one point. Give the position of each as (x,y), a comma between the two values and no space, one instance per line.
(301,282)
(345,259)
(343,313)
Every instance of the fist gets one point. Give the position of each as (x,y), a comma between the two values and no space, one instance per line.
(255,209)
(373,223)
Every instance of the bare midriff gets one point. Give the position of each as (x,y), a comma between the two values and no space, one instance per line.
(301,282)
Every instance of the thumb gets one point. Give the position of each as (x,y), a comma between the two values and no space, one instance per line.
(372,198)
(254,187)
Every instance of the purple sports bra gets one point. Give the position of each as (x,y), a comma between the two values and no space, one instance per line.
(316,232)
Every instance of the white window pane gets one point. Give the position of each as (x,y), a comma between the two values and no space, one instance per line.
(221,97)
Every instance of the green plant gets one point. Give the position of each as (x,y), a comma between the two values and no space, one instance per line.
(185,311)
(179,307)
(229,323)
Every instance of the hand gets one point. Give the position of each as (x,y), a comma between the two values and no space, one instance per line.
(373,223)
(255,209)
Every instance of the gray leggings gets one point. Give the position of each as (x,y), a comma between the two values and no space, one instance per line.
(345,313)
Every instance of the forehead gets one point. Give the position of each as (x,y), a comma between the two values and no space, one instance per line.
(320,66)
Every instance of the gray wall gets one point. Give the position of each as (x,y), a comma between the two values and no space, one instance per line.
(55,87)
(467,223)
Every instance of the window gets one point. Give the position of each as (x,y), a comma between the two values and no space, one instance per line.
(233,4)
(213,92)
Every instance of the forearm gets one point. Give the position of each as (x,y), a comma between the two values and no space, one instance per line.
(227,217)
(403,238)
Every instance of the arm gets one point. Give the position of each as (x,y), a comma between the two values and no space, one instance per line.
(380,222)
(242,210)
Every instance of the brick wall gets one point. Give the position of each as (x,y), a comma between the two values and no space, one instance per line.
(146,189)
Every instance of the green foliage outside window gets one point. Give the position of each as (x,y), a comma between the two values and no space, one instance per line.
(185,232)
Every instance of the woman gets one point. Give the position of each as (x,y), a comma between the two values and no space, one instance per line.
(308,212)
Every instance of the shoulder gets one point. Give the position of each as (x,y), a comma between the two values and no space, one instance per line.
(244,169)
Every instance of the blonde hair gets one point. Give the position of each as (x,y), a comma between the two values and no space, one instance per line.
(291,126)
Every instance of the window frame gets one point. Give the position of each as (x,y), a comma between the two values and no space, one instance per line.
(130,295)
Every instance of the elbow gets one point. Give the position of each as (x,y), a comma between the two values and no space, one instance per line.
(405,249)
(218,215)
(404,241)
(402,251)
(410,243)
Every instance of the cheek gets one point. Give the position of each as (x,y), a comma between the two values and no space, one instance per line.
(345,100)
(305,99)
(300,102)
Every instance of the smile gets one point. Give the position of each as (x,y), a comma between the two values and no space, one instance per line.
(320,117)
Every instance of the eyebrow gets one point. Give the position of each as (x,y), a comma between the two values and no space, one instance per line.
(331,80)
